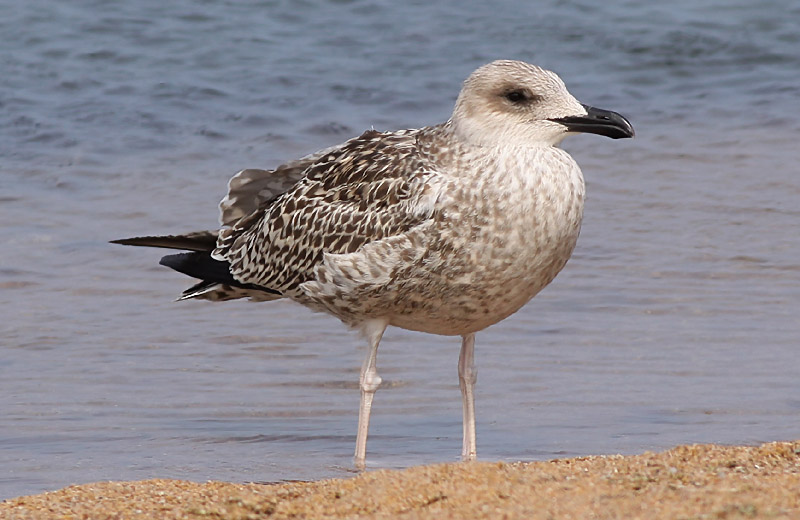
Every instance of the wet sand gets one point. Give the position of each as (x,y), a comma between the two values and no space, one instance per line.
(689,482)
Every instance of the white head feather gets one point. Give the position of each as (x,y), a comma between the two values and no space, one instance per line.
(510,103)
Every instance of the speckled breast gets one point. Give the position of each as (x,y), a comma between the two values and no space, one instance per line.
(500,238)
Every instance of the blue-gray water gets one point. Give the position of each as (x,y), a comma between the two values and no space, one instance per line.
(675,322)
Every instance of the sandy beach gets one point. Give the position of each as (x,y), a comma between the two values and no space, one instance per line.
(689,482)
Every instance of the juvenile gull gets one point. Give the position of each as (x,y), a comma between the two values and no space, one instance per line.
(446,229)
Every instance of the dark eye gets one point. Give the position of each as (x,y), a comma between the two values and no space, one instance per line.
(516,96)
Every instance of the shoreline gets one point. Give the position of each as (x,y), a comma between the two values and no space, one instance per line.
(694,481)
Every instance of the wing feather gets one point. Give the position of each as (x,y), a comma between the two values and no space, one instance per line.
(372,187)
(252,188)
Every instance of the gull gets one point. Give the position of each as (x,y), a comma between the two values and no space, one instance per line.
(444,229)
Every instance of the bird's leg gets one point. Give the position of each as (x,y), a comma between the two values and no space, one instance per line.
(369,381)
(467,376)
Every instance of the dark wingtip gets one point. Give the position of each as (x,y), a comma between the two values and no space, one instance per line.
(197,241)
(178,261)
(135,241)
(200,265)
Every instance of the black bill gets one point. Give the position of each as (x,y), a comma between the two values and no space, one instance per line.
(598,121)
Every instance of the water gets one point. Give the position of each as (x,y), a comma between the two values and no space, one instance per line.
(675,321)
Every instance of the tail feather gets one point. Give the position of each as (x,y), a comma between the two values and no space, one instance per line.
(217,283)
(199,289)
(218,292)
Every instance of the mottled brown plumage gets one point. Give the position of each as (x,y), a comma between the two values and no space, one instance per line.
(445,229)
(360,192)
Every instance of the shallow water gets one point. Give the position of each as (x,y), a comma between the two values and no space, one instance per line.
(675,321)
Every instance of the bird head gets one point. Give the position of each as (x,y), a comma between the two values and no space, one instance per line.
(514,103)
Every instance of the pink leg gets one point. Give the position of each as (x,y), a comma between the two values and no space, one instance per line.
(467,376)
(369,382)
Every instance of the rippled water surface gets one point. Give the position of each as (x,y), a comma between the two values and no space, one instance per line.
(676,321)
